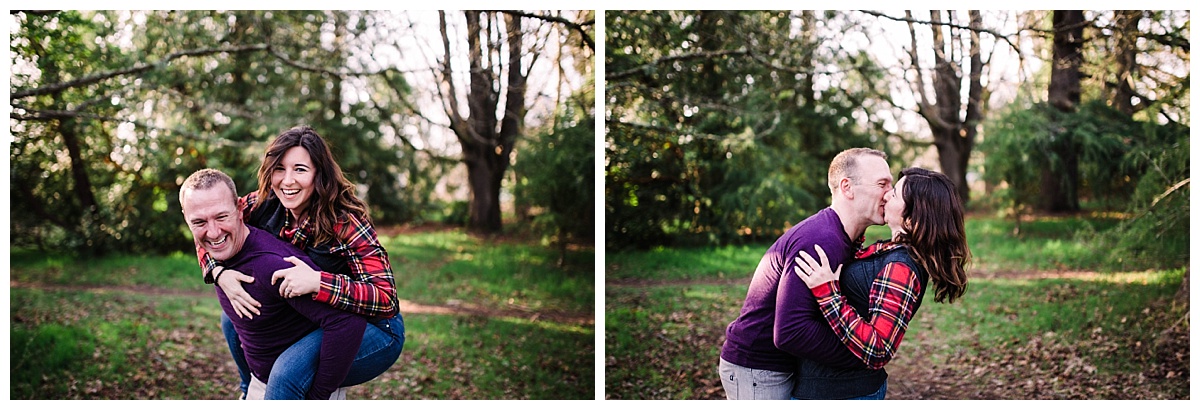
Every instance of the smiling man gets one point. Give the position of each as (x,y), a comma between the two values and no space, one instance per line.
(209,202)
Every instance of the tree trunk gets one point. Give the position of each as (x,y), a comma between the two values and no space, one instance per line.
(1125,53)
(953,133)
(487,140)
(83,184)
(1059,184)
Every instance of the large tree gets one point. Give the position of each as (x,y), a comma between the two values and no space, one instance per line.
(1060,176)
(953,117)
(501,53)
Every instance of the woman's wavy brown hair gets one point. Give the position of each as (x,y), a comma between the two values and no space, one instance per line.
(933,221)
(333,195)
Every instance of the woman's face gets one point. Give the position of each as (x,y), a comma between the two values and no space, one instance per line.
(893,211)
(292,180)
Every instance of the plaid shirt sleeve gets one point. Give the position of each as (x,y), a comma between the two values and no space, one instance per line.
(371,289)
(894,295)
(207,263)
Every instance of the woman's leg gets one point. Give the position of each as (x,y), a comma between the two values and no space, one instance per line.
(292,374)
(235,349)
(382,344)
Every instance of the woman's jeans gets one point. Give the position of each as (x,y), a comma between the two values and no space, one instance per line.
(292,374)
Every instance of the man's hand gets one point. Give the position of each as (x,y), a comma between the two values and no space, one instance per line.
(299,279)
(814,273)
(230,282)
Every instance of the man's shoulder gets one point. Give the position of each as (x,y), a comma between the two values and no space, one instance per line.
(822,222)
(822,228)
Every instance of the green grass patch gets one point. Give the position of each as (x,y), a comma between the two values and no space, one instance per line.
(445,267)
(663,342)
(1044,244)
(502,359)
(118,327)
(735,261)
(86,345)
(175,271)
(430,268)
(81,345)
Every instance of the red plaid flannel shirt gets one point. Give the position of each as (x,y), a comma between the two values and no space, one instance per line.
(369,291)
(894,293)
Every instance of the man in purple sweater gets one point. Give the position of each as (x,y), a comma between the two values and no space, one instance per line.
(209,201)
(780,323)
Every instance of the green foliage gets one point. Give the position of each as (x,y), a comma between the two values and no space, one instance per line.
(556,174)
(1124,166)
(707,142)
(96,167)
(1023,140)
(1157,232)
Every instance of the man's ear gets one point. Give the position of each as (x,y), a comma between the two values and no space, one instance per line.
(844,186)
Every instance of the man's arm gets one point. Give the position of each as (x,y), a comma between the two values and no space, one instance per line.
(800,328)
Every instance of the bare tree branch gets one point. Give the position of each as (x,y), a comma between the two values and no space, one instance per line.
(579,27)
(136,69)
(908,19)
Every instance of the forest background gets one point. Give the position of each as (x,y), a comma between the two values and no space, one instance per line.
(1066,133)
(469,135)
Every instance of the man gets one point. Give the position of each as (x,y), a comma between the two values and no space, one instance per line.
(209,201)
(781,325)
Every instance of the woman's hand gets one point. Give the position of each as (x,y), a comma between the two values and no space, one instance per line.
(230,282)
(814,273)
(297,280)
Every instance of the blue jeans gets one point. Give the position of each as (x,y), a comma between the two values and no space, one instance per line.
(877,395)
(292,374)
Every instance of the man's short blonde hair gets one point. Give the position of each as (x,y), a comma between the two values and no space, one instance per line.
(845,164)
(205,179)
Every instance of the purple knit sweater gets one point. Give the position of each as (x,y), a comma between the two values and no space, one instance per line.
(284,321)
(780,319)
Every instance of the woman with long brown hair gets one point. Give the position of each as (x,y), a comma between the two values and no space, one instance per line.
(304,198)
(870,303)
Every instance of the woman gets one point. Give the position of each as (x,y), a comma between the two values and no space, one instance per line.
(871,305)
(305,200)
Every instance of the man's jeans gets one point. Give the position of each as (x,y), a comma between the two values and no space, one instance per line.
(292,374)
(744,383)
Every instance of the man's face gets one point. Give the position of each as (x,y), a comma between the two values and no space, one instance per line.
(871,185)
(216,224)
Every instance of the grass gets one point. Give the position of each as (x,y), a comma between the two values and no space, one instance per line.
(451,266)
(1044,244)
(429,268)
(1104,328)
(146,326)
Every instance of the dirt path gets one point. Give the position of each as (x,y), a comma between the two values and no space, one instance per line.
(406,307)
